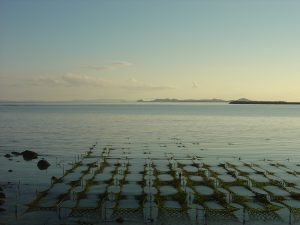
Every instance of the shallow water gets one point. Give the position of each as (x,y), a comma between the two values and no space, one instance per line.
(220,129)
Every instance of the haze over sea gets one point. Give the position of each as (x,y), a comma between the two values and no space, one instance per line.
(221,129)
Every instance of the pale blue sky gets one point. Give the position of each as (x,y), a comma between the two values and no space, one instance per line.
(131,49)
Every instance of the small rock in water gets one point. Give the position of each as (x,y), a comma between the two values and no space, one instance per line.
(29,155)
(10,171)
(43,164)
(7,155)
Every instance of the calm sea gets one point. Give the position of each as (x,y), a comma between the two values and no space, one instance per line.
(59,133)
(220,129)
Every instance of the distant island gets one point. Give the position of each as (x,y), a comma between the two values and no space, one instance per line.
(183,100)
(216,100)
(246,101)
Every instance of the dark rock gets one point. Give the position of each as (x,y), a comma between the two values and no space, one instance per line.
(7,155)
(29,155)
(10,171)
(43,164)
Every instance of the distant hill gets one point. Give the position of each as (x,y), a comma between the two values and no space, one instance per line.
(247,101)
(216,100)
(183,100)
(243,100)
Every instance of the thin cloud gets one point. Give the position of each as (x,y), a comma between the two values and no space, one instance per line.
(43,81)
(121,63)
(78,80)
(82,80)
(68,80)
(94,67)
(110,66)
(136,85)
(195,85)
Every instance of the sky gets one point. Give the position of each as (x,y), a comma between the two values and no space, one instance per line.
(141,49)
